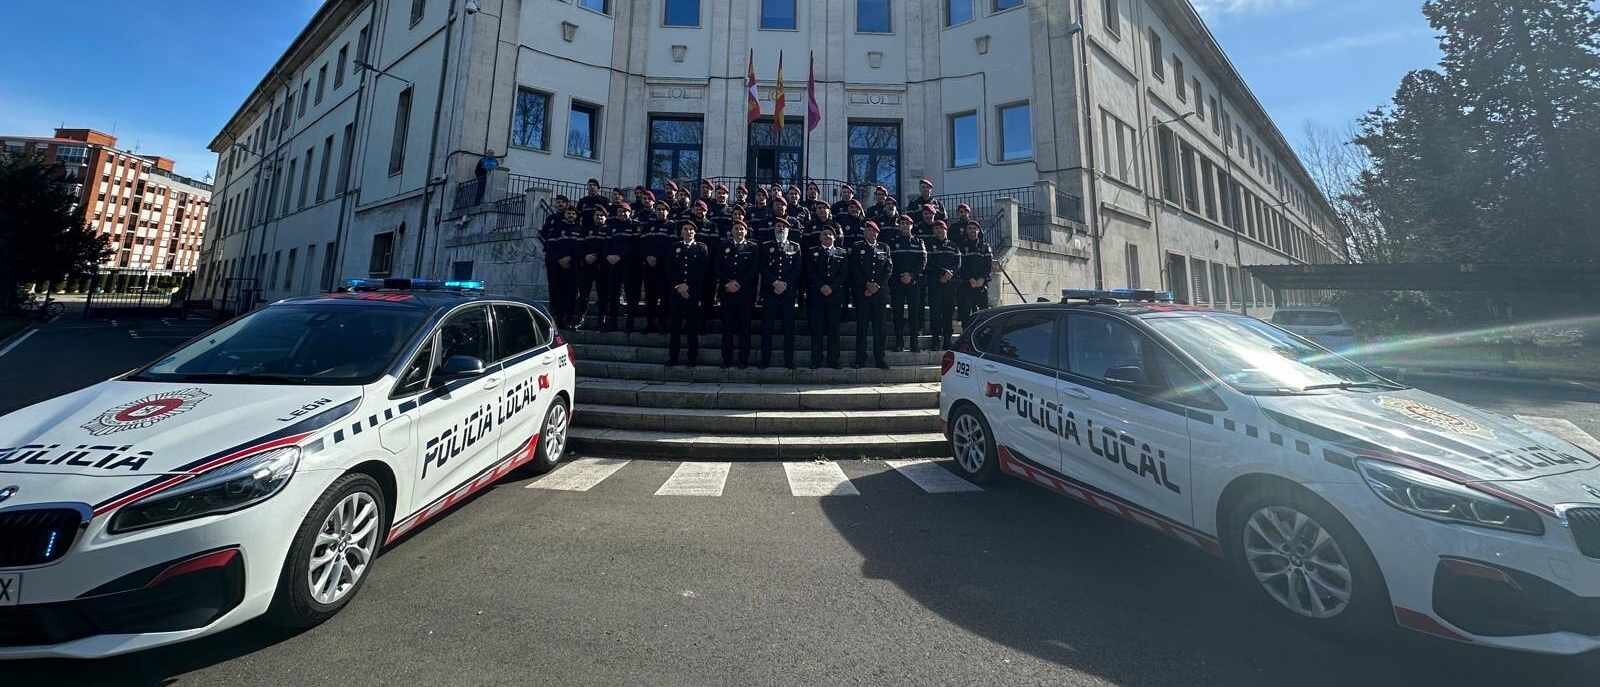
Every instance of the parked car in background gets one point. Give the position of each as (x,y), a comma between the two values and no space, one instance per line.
(1323,325)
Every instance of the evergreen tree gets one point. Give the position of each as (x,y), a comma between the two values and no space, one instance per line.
(42,237)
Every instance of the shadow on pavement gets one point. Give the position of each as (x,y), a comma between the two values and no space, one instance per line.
(1074,586)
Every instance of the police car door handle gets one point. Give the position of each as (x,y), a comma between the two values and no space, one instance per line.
(491,382)
(990,367)
(1075,392)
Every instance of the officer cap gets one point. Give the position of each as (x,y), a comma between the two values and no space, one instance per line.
(964,206)
(700,204)
(902,219)
(890,200)
(925,181)
(780,200)
(594,181)
(869,224)
(780,222)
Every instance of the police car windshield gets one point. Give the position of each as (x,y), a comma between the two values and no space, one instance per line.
(294,344)
(1255,357)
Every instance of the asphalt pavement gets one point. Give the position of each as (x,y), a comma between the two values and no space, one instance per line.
(592,578)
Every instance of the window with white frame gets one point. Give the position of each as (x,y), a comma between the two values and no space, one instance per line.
(1016,131)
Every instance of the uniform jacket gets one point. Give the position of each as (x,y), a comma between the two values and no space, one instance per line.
(872,263)
(688,265)
(943,256)
(830,266)
(623,239)
(586,207)
(741,263)
(656,238)
(562,239)
(909,254)
(781,262)
(977,260)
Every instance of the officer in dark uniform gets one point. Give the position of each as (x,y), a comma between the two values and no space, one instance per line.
(925,199)
(799,214)
(944,263)
(592,272)
(686,277)
(821,216)
(827,286)
(841,207)
(559,236)
(926,217)
(758,215)
(780,210)
(655,247)
(910,256)
(621,260)
(595,200)
(977,263)
(879,212)
(644,204)
(871,267)
(780,285)
(707,232)
(738,270)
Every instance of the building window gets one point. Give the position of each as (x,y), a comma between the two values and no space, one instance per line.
(344,157)
(402,125)
(957,12)
(1199,98)
(361,45)
(1133,266)
(305,97)
(872,16)
(601,6)
(675,144)
(288,190)
(874,155)
(338,74)
(1167,163)
(778,14)
(964,139)
(1208,179)
(327,266)
(583,130)
(775,157)
(382,254)
(1202,281)
(1177,79)
(1119,142)
(418,7)
(1157,60)
(1216,121)
(1219,283)
(1007,4)
(1113,17)
(322,83)
(272,275)
(1016,132)
(288,112)
(322,174)
(305,179)
(681,13)
(288,270)
(530,122)
(311,260)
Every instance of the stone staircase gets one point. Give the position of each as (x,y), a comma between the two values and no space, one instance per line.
(630,404)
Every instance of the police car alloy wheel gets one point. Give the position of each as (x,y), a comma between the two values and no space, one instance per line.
(553,438)
(1306,561)
(972,444)
(332,553)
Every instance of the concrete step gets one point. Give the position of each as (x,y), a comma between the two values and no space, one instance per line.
(621,442)
(709,371)
(713,342)
(763,422)
(634,353)
(830,397)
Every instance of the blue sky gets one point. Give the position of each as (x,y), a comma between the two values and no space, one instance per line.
(165,76)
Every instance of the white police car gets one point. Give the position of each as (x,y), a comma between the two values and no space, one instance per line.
(1343,499)
(261,468)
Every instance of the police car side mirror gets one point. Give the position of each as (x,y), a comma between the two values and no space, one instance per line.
(1128,377)
(458,367)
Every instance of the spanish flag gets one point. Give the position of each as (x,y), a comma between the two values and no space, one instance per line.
(752,103)
(777,103)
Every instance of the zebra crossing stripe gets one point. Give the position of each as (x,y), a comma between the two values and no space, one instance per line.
(818,479)
(1564,429)
(696,479)
(932,477)
(579,475)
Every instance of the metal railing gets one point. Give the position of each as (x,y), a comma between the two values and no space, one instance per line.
(983,202)
(520,183)
(827,188)
(508,212)
(1070,206)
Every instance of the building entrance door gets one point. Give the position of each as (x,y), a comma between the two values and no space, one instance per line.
(776,157)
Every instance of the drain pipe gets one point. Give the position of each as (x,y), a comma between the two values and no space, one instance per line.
(433,145)
(1092,212)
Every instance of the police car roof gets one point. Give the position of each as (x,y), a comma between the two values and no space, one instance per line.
(1131,308)
(399,298)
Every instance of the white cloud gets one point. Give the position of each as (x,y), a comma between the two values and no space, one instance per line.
(1213,8)
(1356,41)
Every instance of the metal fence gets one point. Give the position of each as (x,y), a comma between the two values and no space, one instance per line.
(520,183)
(828,189)
(508,212)
(133,291)
(239,295)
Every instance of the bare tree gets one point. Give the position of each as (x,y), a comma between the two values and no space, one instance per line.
(1337,165)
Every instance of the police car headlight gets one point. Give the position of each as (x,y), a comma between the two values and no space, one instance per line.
(236,486)
(1431,497)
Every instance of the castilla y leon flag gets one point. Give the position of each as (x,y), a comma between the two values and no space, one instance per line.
(752,103)
(777,102)
(813,113)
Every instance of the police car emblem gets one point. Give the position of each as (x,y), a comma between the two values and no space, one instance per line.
(1437,417)
(146,411)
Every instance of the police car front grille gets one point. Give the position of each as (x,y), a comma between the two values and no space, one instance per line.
(36,536)
(1585,524)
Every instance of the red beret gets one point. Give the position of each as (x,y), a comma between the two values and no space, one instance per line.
(925,181)
(964,206)
(869,224)
(700,204)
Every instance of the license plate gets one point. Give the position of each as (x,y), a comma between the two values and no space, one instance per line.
(10,589)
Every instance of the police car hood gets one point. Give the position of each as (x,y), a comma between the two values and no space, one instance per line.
(1458,439)
(98,440)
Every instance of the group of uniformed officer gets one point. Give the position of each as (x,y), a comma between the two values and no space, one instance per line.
(673,259)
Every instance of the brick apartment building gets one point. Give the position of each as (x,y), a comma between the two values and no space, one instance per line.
(154,217)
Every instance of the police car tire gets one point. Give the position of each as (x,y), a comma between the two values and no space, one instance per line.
(991,457)
(542,460)
(1369,613)
(292,605)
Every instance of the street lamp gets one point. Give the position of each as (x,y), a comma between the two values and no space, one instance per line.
(367,66)
(1176,119)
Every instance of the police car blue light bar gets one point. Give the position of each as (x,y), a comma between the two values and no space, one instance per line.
(412,285)
(1115,294)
